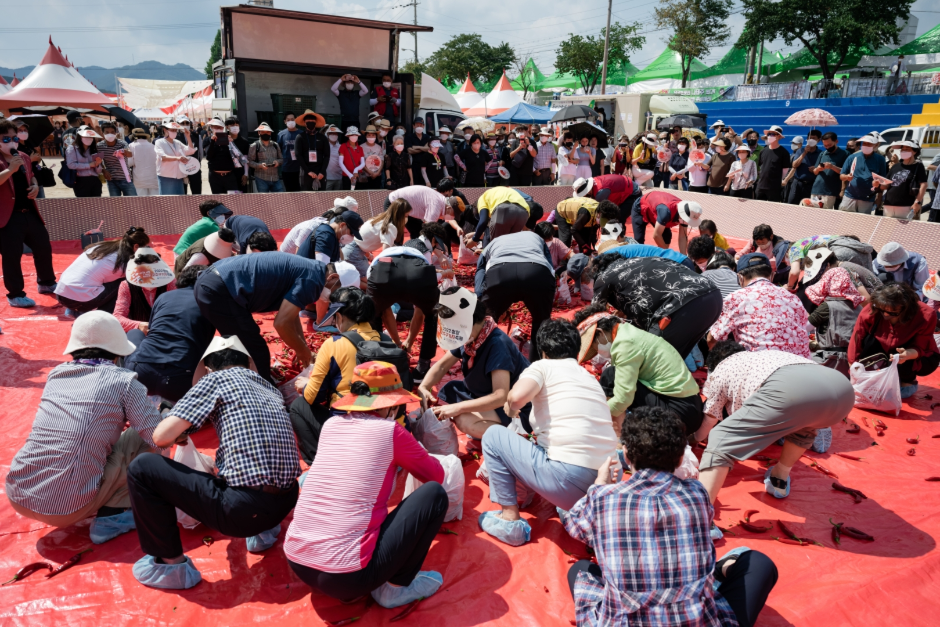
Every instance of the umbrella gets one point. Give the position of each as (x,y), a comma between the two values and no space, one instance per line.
(683,121)
(480,125)
(574,112)
(582,129)
(125,116)
(39,127)
(812,117)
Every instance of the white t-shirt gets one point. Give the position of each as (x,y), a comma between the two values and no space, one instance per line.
(299,234)
(85,278)
(372,237)
(426,204)
(566,166)
(570,415)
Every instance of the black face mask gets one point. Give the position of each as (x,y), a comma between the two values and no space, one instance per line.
(569,144)
(311,126)
(833,149)
(266,138)
(752,142)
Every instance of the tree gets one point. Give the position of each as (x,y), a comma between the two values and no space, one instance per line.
(583,57)
(829,30)
(215,53)
(697,26)
(414,68)
(468,53)
(525,71)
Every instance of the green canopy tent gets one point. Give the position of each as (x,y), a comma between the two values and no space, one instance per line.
(534,78)
(804,60)
(618,75)
(558,80)
(667,66)
(921,54)
(735,63)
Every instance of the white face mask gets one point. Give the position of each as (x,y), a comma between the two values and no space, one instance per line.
(220,220)
(350,86)
(811,143)
(491,142)
(543,139)
(399,147)
(370,140)
(353,139)
(795,146)
(400,132)
(419,130)
(346,239)
(108,136)
(681,148)
(24,135)
(88,141)
(907,154)
(444,137)
(234,129)
(383,133)
(170,134)
(867,150)
(604,350)
(333,138)
(387,84)
(467,136)
(291,124)
(773,140)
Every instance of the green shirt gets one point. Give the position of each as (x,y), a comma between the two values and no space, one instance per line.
(197,231)
(642,356)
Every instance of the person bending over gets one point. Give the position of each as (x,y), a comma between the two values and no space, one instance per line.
(256,484)
(74,462)
(575,435)
(343,541)
(655,561)
(213,215)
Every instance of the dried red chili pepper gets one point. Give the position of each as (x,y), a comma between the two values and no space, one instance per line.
(546,589)
(748,513)
(879,432)
(208,540)
(858,534)
(912,452)
(787,541)
(345,621)
(408,610)
(928,397)
(936,436)
(853,428)
(879,423)
(854,458)
(934,405)
(28,570)
(755,528)
(932,479)
(865,418)
(75,559)
(823,470)
(914,440)
(836,532)
(857,494)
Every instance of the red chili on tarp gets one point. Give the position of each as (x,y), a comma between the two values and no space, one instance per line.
(408,610)
(854,458)
(856,494)
(824,470)
(932,479)
(912,452)
(28,570)
(913,440)
(853,428)
(75,559)
(879,423)
(345,621)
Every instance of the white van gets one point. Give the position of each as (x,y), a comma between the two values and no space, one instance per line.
(436,106)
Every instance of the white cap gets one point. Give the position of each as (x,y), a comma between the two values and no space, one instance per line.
(741,147)
(798,139)
(868,139)
(648,141)
(182,119)
(150,275)
(217,247)
(435,144)
(690,212)
(216,122)
(99,329)
(217,344)
(348,275)
(443,129)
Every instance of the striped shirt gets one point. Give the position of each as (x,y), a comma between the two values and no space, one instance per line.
(256,439)
(344,500)
(111,163)
(81,416)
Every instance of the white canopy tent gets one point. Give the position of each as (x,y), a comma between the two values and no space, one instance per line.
(144,93)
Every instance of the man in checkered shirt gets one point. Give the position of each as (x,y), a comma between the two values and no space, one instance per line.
(257,462)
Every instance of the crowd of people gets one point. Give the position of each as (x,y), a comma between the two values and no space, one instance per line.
(166,349)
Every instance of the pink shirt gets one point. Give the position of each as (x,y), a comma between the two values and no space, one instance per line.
(763,316)
(122,308)
(558,250)
(344,500)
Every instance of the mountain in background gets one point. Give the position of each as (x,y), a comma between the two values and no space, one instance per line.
(103,78)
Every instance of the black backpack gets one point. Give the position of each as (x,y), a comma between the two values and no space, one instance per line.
(382,351)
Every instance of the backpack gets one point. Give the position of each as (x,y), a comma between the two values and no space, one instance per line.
(382,351)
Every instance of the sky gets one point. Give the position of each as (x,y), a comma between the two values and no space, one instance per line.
(114,33)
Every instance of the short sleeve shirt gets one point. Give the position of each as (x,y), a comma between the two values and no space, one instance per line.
(905,179)
(763,316)
(740,375)
(861,168)
(803,172)
(324,241)
(259,282)
(771,165)
(827,182)
(498,352)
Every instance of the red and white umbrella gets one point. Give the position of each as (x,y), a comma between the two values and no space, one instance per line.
(812,117)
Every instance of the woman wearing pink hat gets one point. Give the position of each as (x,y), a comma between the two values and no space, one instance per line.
(171,155)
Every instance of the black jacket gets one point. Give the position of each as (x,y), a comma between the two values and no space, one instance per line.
(302,149)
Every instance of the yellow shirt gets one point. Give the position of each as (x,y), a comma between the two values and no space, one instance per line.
(335,363)
(495,196)
(642,152)
(721,242)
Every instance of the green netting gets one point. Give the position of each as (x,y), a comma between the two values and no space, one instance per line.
(928,43)
(666,65)
(534,74)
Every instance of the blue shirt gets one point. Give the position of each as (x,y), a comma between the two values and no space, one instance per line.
(828,182)
(178,334)
(803,172)
(244,227)
(859,188)
(259,282)
(498,352)
(633,251)
(285,139)
(322,240)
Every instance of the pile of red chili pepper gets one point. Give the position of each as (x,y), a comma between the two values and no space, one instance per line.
(284,362)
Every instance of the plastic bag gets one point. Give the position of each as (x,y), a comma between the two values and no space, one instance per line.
(879,389)
(688,469)
(453,484)
(187,455)
(447,284)
(563,293)
(288,391)
(465,255)
(439,437)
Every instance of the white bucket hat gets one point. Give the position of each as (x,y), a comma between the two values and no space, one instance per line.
(892,254)
(150,275)
(690,212)
(546,131)
(217,344)
(717,123)
(217,247)
(444,129)
(741,147)
(182,119)
(582,187)
(650,140)
(775,129)
(348,275)
(216,122)
(99,329)
(814,262)
(352,130)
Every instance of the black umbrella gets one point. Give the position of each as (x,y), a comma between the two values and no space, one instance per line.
(682,120)
(587,129)
(574,112)
(39,127)
(125,116)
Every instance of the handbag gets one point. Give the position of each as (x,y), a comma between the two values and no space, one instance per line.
(67,175)
(44,176)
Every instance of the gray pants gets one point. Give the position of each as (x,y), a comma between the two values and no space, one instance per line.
(510,457)
(333,186)
(793,403)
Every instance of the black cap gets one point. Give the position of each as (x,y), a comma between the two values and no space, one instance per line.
(353,220)
(73,115)
(418,119)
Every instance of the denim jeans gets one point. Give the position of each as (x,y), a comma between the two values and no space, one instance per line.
(265,187)
(120,187)
(170,187)
(676,183)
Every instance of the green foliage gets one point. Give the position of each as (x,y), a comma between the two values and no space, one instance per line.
(413,68)
(696,27)
(583,57)
(829,30)
(463,54)
(215,53)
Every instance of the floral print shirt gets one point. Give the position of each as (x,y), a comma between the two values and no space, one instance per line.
(763,316)
(800,247)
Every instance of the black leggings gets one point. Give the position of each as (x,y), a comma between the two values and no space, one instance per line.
(224,183)
(690,322)
(308,421)
(404,540)
(531,283)
(909,370)
(746,586)
(105,301)
(407,280)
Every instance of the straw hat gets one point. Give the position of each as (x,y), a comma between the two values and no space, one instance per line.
(310,113)
(217,344)
(609,244)
(149,275)
(99,329)
(587,329)
(385,389)
(370,129)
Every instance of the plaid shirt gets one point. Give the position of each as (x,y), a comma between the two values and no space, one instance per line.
(258,153)
(543,160)
(650,534)
(256,439)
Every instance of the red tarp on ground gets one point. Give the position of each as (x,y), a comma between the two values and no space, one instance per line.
(895,579)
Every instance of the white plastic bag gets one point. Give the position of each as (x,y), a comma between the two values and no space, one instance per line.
(879,390)
(446,284)
(453,485)
(563,293)
(465,255)
(187,455)
(688,469)
(288,391)
(439,437)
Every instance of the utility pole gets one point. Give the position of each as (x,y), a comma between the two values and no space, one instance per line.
(606,47)
(413,3)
